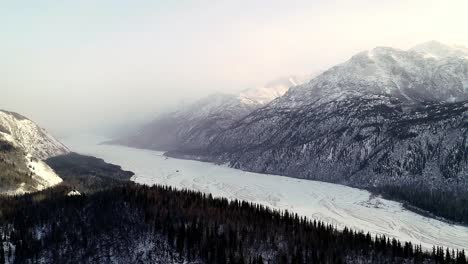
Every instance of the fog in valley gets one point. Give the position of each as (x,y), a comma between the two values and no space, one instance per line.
(216,131)
(102,66)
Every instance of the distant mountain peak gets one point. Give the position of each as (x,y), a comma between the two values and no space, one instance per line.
(429,72)
(432,44)
(437,50)
(194,126)
(264,94)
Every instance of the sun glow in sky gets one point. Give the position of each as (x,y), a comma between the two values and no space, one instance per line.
(116,60)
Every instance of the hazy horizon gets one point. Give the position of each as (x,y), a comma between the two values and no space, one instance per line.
(92,65)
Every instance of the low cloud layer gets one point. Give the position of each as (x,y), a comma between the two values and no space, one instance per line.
(78,66)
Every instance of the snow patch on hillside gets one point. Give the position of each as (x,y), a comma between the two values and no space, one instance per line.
(19,191)
(43,174)
(32,145)
(8,138)
(74,193)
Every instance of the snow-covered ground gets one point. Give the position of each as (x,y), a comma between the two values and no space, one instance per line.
(44,175)
(335,204)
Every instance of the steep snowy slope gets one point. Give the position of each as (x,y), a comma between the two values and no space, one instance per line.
(410,76)
(196,125)
(388,120)
(28,136)
(23,146)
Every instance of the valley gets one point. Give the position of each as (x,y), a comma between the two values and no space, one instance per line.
(335,204)
(234,132)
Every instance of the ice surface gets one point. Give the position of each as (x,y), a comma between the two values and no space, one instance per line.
(332,203)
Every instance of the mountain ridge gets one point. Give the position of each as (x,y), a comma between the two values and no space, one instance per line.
(24,146)
(387,120)
(197,124)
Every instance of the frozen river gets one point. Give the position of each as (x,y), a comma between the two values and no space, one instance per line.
(335,204)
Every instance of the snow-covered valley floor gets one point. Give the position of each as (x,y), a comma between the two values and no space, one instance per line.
(332,203)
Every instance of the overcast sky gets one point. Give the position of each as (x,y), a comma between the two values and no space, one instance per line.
(77,65)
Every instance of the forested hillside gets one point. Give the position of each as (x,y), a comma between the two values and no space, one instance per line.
(387,120)
(88,174)
(134,223)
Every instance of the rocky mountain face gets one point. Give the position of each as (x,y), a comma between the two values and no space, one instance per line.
(386,117)
(196,125)
(23,146)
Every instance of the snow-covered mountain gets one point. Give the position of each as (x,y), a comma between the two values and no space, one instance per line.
(411,76)
(23,147)
(385,118)
(272,90)
(28,136)
(437,50)
(196,125)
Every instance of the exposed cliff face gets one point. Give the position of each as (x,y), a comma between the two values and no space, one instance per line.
(23,146)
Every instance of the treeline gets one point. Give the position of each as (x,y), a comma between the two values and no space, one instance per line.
(143,224)
(88,174)
(451,204)
(13,169)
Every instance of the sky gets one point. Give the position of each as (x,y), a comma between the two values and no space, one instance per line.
(92,65)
